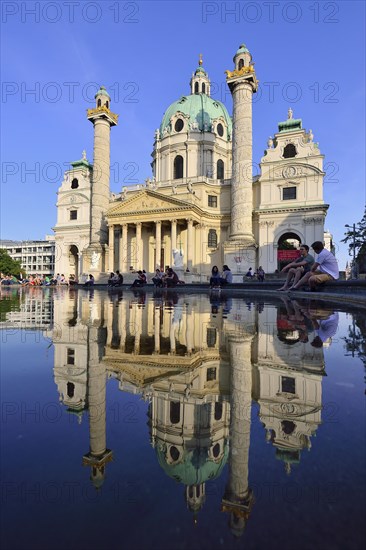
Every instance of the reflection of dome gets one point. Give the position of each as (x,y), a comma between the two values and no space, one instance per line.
(194,468)
(200,109)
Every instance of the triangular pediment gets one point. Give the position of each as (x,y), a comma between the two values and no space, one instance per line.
(148,202)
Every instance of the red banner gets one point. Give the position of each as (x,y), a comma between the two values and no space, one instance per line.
(288,255)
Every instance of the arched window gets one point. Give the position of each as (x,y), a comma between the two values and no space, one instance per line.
(212,238)
(218,410)
(107,104)
(241,64)
(203,88)
(220,169)
(289,151)
(75,183)
(70,389)
(196,91)
(220,129)
(174,412)
(178,167)
(216,450)
(99,103)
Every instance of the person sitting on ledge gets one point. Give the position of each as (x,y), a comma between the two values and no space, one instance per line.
(298,268)
(215,277)
(117,279)
(140,281)
(324,269)
(227,276)
(158,278)
(171,279)
(249,273)
(111,278)
(90,282)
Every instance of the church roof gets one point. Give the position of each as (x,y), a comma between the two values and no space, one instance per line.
(290,125)
(200,108)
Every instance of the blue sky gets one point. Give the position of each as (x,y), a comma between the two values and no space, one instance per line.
(308,55)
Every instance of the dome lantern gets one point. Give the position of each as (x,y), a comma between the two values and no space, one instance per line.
(200,83)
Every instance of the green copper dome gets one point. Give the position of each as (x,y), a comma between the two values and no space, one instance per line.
(242,49)
(200,109)
(195,468)
(102,91)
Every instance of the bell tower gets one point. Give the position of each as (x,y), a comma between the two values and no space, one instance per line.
(102,119)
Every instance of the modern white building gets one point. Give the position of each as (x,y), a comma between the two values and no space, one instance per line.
(35,257)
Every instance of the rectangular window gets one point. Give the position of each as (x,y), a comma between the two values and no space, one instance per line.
(70,356)
(211,337)
(288,193)
(73,214)
(287,384)
(212,201)
(212,238)
(211,374)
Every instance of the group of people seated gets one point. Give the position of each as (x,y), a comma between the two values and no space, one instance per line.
(259,274)
(38,280)
(167,279)
(306,271)
(217,279)
(115,279)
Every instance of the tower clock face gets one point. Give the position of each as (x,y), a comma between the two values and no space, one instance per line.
(289,172)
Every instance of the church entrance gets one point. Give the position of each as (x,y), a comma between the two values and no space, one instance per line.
(73,261)
(288,249)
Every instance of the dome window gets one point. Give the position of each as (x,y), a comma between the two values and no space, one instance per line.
(203,88)
(220,169)
(196,90)
(75,183)
(174,453)
(178,167)
(289,151)
(220,130)
(216,450)
(179,125)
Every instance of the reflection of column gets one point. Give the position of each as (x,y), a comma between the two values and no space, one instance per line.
(172,335)
(123,249)
(173,238)
(122,324)
(238,498)
(158,244)
(190,248)
(98,455)
(157,330)
(138,329)
(189,329)
(111,247)
(138,246)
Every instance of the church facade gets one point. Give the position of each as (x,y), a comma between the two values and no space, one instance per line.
(201,207)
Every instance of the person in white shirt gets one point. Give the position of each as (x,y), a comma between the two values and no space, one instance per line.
(324,269)
(227,276)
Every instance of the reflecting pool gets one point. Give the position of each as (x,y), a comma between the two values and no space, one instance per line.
(173,420)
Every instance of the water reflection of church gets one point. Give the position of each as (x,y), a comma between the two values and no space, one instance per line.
(199,365)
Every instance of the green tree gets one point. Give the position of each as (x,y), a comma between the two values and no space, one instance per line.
(356,239)
(8,266)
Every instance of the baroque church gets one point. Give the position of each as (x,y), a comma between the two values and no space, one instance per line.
(202,206)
